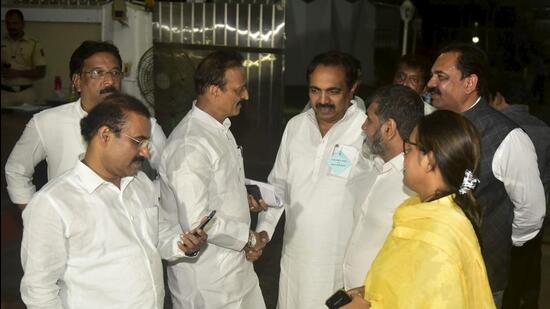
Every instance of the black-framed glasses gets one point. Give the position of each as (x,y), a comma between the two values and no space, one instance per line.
(141,143)
(98,73)
(407,146)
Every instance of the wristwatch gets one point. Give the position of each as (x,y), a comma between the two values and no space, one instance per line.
(251,239)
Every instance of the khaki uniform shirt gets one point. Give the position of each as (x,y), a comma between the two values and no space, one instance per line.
(23,54)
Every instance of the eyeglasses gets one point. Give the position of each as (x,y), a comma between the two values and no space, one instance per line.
(142,144)
(407,149)
(98,73)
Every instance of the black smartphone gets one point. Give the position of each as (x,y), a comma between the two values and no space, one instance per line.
(208,218)
(338,299)
(254,190)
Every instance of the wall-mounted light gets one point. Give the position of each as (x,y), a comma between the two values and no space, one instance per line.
(407,13)
(475,36)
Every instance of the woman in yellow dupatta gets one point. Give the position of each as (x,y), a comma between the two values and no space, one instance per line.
(432,258)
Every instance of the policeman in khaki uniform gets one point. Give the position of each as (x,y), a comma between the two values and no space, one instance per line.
(22,62)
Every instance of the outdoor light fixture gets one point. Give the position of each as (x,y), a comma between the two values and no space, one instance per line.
(407,13)
(475,36)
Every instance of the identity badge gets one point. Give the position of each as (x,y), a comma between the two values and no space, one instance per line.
(341,160)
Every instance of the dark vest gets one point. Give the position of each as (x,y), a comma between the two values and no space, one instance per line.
(498,209)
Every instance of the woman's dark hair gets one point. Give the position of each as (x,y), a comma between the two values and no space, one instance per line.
(211,70)
(111,112)
(455,143)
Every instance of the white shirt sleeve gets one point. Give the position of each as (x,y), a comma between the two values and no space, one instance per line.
(189,177)
(267,220)
(169,236)
(158,141)
(43,254)
(26,154)
(515,164)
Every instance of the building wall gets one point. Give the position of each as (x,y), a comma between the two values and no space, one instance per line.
(59,40)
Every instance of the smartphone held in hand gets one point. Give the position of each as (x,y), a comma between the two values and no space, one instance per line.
(338,299)
(254,190)
(205,222)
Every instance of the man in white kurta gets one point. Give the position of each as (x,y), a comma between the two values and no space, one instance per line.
(318,160)
(54,134)
(393,112)
(202,170)
(92,236)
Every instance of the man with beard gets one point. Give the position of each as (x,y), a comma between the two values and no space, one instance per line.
(202,170)
(393,113)
(318,161)
(53,134)
(510,190)
(23,62)
(92,237)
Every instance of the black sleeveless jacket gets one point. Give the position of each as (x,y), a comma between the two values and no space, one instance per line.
(498,209)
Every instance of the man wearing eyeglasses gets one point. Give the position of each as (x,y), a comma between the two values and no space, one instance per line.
(413,71)
(94,237)
(53,134)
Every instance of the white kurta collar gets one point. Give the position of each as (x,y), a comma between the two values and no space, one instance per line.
(475,103)
(79,110)
(208,119)
(91,181)
(396,163)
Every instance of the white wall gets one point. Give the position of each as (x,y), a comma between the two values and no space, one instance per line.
(132,40)
(59,40)
(61,31)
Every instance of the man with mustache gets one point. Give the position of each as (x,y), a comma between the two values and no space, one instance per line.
(53,135)
(201,170)
(94,237)
(510,190)
(23,62)
(317,163)
(393,113)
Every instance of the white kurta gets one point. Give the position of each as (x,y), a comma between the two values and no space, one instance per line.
(386,191)
(318,206)
(89,244)
(202,170)
(54,135)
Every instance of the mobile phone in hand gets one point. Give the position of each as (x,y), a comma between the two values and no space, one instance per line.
(208,218)
(254,190)
(338,299)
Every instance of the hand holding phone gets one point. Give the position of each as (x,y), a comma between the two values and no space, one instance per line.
(205,222)
(338,299)
(254,190)
(191,245)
